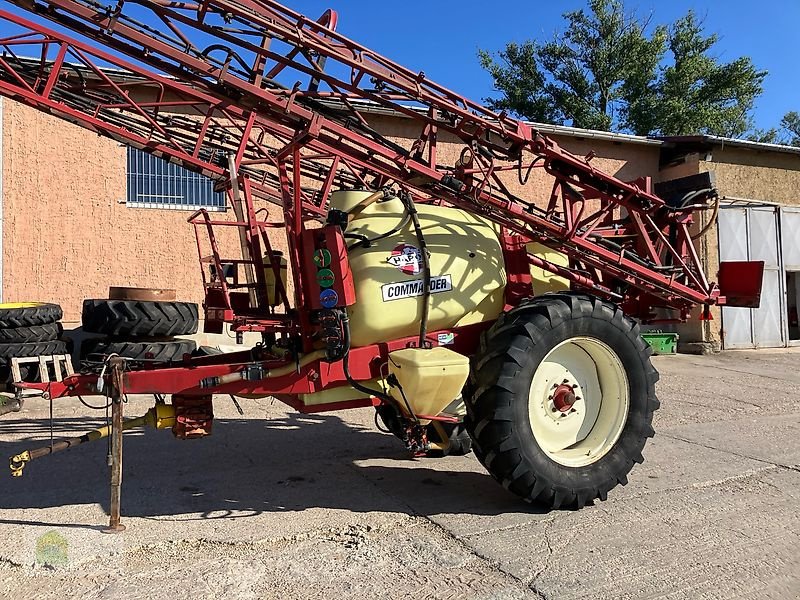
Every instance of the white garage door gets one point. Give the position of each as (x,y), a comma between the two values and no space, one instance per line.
(752,233)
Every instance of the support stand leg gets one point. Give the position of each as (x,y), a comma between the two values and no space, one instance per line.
(117,395)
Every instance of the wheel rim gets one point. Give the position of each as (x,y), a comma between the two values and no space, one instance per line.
(579,401)
(13,305)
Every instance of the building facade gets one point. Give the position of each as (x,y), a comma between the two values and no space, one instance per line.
(759,219)
(79,213)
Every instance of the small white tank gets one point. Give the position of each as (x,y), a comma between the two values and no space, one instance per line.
(468,275)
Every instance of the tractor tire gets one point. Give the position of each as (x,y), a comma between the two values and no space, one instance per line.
(561,398)
(136,318)
(453,437)
(28,314)
(34,333)
(23,349)
(162,351)
(28,371)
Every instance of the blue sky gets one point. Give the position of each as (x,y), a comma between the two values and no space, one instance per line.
(441,37)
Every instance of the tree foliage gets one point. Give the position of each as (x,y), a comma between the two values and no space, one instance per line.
(791,124)
(787,133)
(610,70)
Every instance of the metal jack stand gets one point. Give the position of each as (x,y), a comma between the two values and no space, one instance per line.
(117,395)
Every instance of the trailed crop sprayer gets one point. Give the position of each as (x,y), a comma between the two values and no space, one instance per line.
(468,310)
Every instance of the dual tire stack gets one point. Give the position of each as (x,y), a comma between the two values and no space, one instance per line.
(139,329)
(29,329)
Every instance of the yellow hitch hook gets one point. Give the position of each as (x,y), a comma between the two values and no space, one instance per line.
(18,463)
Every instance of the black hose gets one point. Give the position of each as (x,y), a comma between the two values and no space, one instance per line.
(426,268)
(345,320)
(334,114)
(366,242)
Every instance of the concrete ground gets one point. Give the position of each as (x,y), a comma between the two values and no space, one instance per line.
(280,505)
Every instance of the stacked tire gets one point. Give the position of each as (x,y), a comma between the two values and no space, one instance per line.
(29,329)
(139,329)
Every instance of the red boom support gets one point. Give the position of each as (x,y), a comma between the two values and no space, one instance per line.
(275,106)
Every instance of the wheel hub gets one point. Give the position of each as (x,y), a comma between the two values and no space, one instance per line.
(564,398)
(578,402)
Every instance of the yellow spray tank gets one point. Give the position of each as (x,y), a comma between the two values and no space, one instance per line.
(468,275)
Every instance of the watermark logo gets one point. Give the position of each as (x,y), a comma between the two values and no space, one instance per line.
(51,550)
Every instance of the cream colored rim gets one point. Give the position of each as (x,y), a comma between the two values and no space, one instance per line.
(583,428)
(20,305)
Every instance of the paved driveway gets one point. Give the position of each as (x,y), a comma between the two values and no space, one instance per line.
(279,505)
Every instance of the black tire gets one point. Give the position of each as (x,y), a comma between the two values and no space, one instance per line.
(28,371)
(136,318)
(499,417)
(457,442)
(35,333)
(162,351)
(9,351)
(29,316)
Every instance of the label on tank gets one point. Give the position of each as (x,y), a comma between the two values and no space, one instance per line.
(410,289)
(406,258)
(328,298)
(445,339)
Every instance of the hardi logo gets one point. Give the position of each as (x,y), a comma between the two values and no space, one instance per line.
(407,258)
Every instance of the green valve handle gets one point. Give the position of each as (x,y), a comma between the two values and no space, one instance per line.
(325,278)
(322,258)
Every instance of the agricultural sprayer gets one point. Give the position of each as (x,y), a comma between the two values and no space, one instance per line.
(469,310)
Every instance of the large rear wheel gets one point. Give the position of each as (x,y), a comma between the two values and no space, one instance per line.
(561,399)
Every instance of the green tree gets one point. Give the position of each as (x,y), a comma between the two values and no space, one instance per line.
(606,71)
(787,133)
(791,123)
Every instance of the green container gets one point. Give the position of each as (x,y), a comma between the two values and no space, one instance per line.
(662,343)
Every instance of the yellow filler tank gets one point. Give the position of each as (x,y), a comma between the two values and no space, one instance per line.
(468,275)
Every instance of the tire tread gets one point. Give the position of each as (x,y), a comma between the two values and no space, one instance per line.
(162,351)
(490,395)
(138,318)
(31,316)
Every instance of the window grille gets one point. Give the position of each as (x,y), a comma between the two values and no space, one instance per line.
(157,183)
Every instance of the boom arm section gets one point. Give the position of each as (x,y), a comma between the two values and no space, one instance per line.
(294,102)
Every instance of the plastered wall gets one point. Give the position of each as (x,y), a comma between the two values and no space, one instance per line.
(66,234)
(68,237)
(766,176)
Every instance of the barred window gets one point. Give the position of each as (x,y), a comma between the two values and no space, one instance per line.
(157,183)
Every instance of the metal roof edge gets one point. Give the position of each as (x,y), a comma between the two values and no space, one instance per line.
(677,141)
(547,128)
(594,134)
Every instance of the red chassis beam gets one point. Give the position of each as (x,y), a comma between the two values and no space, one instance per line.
(661,263)
(192,376)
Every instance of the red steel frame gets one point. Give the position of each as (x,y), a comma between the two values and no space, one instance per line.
(205,87)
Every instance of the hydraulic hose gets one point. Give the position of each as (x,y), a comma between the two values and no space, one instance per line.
(365,241)
(259,374)
(426,268)
(346,366)
(366,203)
(712,220)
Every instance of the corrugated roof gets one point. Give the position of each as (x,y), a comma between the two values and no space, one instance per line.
(593,134)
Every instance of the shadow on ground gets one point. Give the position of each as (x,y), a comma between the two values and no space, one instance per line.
(248,467)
